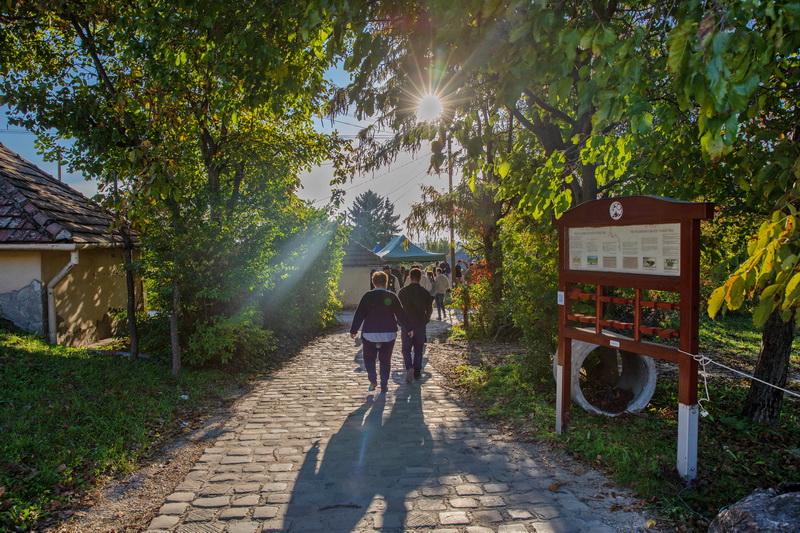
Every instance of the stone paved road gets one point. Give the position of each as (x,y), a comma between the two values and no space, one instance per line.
(311,450)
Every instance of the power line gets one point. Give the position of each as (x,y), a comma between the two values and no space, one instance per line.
(377,177)
(17,132)
(409,189)
(406,183)
(334,122)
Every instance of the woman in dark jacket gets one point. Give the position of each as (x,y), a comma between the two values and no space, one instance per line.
(379,310)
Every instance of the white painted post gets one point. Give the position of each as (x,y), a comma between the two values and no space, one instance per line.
(687,441)
(559,398)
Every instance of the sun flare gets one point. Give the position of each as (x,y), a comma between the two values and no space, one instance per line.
(430,107)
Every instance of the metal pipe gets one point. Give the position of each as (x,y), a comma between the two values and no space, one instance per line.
(51,294)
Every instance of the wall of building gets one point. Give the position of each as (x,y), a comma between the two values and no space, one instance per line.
(353,283)
(19,269)
(21,290)
(85,297)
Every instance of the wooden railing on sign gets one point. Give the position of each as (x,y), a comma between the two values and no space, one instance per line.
(637,327)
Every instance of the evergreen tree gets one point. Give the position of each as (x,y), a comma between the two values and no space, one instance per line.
(372,219)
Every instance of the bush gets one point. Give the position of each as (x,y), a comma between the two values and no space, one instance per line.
(244,281)
(223,339)
(300,299)
(532,285)
(153,333)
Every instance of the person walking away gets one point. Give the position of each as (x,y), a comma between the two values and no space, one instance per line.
(418,306)
(380,311)
(423,280)
(393,284)
(441,285)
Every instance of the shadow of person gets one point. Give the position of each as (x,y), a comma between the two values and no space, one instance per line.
(358,359)
(365,472)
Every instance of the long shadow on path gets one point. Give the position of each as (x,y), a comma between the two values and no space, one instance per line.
(364,474)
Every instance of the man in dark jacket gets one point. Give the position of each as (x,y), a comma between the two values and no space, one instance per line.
(417,304)
(379,311)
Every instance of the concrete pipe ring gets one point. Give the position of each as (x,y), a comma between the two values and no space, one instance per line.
(638,374)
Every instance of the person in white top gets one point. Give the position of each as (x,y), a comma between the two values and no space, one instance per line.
(441,285)
(424,281)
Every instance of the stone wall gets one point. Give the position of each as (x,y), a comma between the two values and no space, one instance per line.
(25,308)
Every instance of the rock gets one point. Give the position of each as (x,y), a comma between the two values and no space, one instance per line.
(763,511)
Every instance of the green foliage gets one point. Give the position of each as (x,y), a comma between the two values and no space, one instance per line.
(196,120)
(300,299)
(507,392)
(243,295)
(772,269)
(532,278)
(222,339)
(736,64)
(482,295)
(154,334)
(69,418)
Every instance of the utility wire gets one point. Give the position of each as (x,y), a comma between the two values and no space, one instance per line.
(406,183)
(377,177)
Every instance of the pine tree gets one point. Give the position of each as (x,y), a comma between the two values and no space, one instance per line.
(372,219)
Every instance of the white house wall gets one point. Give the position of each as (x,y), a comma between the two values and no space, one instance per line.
(353,283)
(22,298)
(18,269)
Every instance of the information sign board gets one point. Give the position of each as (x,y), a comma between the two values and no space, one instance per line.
(639,244)
(638,249)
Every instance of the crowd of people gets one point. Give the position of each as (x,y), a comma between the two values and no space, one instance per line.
(404,297)
(398,274)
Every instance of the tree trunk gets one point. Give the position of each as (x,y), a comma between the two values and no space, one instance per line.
(132,326)
(494,270)
(467,303)
(173,329)
(763,404)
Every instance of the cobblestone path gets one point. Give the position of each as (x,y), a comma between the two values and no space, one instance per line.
(311,450)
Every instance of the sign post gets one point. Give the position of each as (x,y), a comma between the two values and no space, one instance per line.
(641,243)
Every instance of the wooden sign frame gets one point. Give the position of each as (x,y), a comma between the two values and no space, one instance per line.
(627,213)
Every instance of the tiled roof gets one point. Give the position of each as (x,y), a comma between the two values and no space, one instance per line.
(37,208)
(356,254)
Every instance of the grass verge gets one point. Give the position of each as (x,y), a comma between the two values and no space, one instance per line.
(69,418)
(639,450)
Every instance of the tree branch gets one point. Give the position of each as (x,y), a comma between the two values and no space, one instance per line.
(548,108)
(87,39)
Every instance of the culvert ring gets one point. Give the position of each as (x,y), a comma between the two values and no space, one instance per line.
(638,374)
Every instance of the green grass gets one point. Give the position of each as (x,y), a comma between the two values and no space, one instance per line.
(733,338)
(639,450)
(69,418)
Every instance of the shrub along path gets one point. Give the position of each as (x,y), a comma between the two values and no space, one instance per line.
(309,449)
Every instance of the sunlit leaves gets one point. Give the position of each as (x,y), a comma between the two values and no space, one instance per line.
(772,269)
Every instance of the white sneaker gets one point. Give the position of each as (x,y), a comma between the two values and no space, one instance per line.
(409,375)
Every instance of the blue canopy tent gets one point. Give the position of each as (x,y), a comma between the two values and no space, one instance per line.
(401,250)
